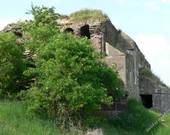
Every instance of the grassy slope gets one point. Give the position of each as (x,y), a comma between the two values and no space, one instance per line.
(108,129)
(14,121)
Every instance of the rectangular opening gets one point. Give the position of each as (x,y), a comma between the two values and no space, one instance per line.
(147,100)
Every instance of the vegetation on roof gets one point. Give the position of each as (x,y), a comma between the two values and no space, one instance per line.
(149,74)
(85,14)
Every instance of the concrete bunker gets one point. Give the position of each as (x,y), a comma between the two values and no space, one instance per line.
(84,31)
(69,30)
(124,52)
(147,100)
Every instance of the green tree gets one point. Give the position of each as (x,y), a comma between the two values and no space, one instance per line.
(11,64)
(71,81)
(43,15)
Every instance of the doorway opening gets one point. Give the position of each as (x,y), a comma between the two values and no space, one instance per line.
(84,31)
(147,101)
(69,30)
(18,34)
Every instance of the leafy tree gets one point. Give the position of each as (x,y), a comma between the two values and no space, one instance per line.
(43,15)
(11,64)
(70,80)
(43,26)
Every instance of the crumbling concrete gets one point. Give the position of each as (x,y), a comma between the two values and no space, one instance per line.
(118,48)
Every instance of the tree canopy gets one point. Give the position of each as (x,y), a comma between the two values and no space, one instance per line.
(70,80)
(11,64)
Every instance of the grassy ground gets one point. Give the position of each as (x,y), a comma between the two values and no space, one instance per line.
(15,121)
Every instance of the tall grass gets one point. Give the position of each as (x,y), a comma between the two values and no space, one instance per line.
(164,129)
(15,121)
(136,118)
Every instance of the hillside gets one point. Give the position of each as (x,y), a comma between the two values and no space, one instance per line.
(14,120)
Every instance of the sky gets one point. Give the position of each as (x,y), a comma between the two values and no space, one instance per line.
(146,21)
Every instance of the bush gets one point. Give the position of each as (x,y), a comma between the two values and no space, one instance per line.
(136,117)
(70,80)
(44,15)
(11,64)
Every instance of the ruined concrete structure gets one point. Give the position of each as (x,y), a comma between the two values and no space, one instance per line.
(119,48)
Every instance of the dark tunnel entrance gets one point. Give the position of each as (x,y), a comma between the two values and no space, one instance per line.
(147,101)
(18,34)
(84,31)
(69,30)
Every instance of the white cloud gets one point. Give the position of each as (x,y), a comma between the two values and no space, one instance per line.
(4,22)
(156,49)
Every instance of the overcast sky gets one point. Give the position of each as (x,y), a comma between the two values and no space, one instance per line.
(146,21)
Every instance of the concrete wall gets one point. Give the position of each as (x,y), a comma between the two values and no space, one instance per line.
(161,102)
(119,48)
(160,94)
(114,56)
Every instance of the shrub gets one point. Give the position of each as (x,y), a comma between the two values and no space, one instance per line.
(136,117)
(70,80)
(11,64)
(44,15)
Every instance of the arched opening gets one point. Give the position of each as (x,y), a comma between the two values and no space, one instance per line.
(147,101)
(69,30)
(18,34)
(84,31)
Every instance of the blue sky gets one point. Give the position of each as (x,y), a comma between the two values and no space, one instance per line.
(146,21)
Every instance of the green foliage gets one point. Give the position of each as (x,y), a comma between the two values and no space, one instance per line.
(86,14)
(14,120)
(41,28)
(11,64)
(38,36)
(43,15)
(71,81)
(136,117)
